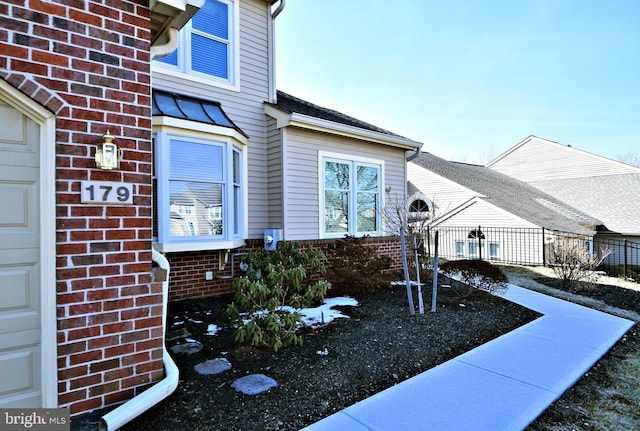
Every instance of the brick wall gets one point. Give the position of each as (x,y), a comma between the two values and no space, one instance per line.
(88,62)
(187,278)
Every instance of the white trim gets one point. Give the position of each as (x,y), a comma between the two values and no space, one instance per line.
(173,247)
(195,129)
(284,119)
(48,342)
(329,155)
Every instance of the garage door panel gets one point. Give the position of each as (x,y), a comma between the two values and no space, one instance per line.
(20,308)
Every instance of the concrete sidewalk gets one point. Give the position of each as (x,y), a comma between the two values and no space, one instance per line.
(502,385)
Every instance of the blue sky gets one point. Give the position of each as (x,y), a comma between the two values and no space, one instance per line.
(470,79)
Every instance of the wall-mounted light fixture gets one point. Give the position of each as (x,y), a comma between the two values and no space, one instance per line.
(107,154)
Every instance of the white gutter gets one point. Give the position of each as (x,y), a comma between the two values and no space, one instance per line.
(133,408)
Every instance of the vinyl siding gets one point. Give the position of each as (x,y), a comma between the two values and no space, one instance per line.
(245,107)
(275,156)
(480,213)
(301,176)
(445,194)
(516,237)
(537,159)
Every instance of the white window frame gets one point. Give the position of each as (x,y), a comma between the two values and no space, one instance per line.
(455,248)
(324,156)
(165,242)
(183,70)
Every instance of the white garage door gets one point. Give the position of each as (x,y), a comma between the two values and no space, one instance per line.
(20,308)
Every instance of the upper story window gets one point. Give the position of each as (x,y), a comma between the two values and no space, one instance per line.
(207,46)
(351,196)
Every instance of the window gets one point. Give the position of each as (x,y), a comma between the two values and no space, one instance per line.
(459,248)
(351,197)
(494,250)
(418,206)
(200,193)
(207,44)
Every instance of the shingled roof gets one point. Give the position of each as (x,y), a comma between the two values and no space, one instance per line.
(509,194)
(291,104)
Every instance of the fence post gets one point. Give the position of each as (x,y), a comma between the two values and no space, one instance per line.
(625,258)
(544,250)
(479,242)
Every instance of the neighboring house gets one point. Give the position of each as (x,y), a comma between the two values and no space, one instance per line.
(482,213)
(605,189)
(211,158)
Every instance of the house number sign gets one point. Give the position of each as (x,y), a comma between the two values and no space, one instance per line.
(106,193)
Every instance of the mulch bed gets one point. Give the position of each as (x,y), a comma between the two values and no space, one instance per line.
(380,345)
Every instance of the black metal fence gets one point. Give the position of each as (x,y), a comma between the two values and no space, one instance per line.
(530,246)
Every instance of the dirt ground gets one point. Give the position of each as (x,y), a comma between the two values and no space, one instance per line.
(379,345)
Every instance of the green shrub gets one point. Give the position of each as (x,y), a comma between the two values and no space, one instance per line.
(276,284)
(474,275)
(354,267)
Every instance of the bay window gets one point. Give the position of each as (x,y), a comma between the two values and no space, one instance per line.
(199,187)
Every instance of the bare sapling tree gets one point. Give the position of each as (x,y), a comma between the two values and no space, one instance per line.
(411,222)
(574,263)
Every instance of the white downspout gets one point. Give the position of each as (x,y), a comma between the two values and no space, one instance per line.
(133,408)
(167,48)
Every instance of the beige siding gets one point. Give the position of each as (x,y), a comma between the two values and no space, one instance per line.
(244,107)
(275,156)
(301,179)
(537,159)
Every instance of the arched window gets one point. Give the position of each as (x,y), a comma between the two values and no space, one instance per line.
(418,206)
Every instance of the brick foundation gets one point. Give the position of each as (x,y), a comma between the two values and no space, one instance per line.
(187,277)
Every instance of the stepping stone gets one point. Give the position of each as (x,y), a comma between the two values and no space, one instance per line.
(177,334)
(213,366)
(188,348)
(254,384)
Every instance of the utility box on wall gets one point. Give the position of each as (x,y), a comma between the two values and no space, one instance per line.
(271,238)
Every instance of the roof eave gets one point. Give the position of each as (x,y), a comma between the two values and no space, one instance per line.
(294,119)
(167,14)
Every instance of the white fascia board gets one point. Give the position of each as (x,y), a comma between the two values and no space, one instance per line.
(284,119)
(163,122)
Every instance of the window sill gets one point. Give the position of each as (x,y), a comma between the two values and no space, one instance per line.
(198,246)
(195,78)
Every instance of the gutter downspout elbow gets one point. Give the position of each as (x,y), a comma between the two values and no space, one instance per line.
(276,12)
(167,48)
(414,155)
(133,408)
